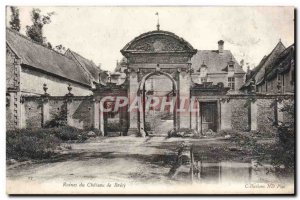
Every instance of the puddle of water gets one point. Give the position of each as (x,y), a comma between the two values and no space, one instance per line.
(210,170)
(226,172)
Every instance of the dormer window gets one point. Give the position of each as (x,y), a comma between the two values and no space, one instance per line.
(203,70)
(230,68)
(231,65)
(203,73)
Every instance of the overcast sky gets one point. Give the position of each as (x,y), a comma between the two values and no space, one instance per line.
(99,33)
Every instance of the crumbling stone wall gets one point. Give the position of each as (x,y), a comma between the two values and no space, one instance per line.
(239,115)
(288,116)
(81,113)
(57,109)
(33,113)
(265,115)
(76,112)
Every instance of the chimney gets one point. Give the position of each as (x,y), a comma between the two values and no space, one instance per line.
(220,46)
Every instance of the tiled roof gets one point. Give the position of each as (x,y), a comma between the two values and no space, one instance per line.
(216,62)
(45,59)
(282,64)
(89,65)
(258,73)
(254,71)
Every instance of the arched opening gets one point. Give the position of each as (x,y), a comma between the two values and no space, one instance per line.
(158,95)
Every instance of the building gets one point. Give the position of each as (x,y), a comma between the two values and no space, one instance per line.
(275,73)
(33,70)
(206,88)
(90,68)
(218,67)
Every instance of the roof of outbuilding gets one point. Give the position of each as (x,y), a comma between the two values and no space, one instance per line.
(42,58)
(259,72)
(260,75)
(282,64)
(87,64)
(216,62)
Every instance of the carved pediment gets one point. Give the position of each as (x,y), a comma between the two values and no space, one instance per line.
(156,42)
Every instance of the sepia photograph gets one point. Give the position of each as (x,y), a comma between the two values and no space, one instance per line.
(150,100)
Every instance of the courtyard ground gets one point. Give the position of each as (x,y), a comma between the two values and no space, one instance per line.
(125,161)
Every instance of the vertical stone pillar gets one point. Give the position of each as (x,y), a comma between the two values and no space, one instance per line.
(101,118)
(184,95)
(253,115)
(225,114)
(198,118)
(96,111)
(278,107)
(20,109)
(174,99)
(132,95)
(194,113)
(69,110)
(45,111)
(142,112)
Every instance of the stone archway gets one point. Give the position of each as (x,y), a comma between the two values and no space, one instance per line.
(141,95)
(157,52)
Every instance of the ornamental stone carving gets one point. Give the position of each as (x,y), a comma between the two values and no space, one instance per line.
(157,44)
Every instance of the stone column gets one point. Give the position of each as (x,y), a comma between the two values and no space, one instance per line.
(45,111)
(20,109)
(101,118)
(132,95)
(194,113)
(198,118)
(225,114)
(69,111)
(96,110)
(184,95)
(175,117)
(278,107)
(142,112)
(253,115)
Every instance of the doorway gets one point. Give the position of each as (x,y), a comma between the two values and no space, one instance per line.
(208,113)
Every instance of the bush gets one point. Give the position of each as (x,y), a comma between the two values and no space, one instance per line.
(23,144)
(182,132)
(66,133)
(35,144)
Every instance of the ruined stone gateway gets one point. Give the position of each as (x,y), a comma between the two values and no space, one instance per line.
(161,84)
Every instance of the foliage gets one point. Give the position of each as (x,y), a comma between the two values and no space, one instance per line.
(182,132)
(35,144)
(59,119)
(286,134)
(14,19)
(39,143)
(281,154)
(66,133)
(35,31)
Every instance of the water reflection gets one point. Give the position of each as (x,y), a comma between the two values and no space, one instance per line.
(231,172)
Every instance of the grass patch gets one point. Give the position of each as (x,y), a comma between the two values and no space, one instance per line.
(24,144)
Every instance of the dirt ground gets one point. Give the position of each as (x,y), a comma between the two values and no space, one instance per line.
(125,162)
(130,159)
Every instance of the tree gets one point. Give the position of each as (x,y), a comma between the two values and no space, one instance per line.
(14,18)
(35,31)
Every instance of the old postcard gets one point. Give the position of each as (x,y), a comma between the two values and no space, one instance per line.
(150,100)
